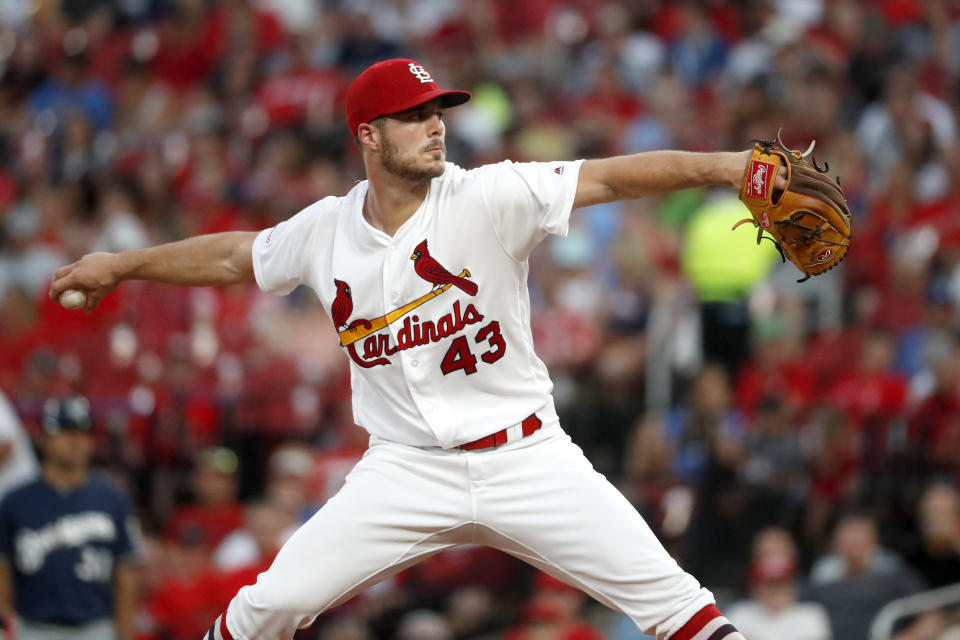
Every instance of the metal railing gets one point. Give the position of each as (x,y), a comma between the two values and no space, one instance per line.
(882,626)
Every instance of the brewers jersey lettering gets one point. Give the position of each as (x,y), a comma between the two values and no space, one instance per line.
(443,351)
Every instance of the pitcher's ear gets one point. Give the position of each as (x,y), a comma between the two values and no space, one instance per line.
(368,137)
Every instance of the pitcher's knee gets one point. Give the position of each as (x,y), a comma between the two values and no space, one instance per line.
(259,613)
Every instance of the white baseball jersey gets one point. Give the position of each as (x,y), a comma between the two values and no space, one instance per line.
(440,345)
(436,322)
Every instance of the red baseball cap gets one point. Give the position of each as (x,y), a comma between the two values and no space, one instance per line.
(391,86)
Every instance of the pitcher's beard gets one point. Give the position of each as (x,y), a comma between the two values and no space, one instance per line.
(390,157)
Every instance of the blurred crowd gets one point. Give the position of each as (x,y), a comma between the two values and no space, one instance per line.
(796,446)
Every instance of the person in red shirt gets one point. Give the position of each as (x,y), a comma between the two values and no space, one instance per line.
(776,370)
(187,592)
(215,512)
(933,427)
(871,387)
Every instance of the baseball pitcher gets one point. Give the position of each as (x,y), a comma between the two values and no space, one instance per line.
(423,269)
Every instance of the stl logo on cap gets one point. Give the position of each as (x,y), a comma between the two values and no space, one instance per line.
(422,74)
(388,87)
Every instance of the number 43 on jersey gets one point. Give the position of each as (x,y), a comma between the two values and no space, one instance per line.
(460,356)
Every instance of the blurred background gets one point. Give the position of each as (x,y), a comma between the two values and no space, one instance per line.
(795,446)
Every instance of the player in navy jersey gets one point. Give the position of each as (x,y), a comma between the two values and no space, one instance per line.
(69,543)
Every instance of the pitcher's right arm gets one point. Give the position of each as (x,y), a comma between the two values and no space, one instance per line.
(202,261)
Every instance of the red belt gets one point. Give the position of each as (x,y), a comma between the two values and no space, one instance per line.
(530,424)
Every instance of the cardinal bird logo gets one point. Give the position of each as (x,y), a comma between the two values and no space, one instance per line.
(433,272)
(342,305)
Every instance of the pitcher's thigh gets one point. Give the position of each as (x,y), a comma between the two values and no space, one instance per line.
(559,514)
(386,517)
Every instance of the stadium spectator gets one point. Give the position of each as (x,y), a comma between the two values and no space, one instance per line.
(214,512)
(933,433)
(834,475)
(288,482)
(774,457)
(254,544)
(708,430)
(937,552)
(189,591)
(772,610)
(858,577)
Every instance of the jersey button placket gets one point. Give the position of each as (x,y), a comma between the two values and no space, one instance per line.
(390,278)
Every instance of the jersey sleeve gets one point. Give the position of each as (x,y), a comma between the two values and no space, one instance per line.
(280,254)
(529,200)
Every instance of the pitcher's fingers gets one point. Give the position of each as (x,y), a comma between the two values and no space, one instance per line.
(59,285)
(69,281)
(92,302)
(64,270)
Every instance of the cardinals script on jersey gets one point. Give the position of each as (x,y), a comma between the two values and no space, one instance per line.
(415,333)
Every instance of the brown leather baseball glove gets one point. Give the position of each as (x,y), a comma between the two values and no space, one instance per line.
(809,221)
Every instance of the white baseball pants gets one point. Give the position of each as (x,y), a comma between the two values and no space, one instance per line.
(538,499)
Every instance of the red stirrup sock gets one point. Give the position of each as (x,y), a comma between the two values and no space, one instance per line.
(218,630)
(708,624)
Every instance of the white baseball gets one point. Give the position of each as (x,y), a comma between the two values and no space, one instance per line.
(73,299)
